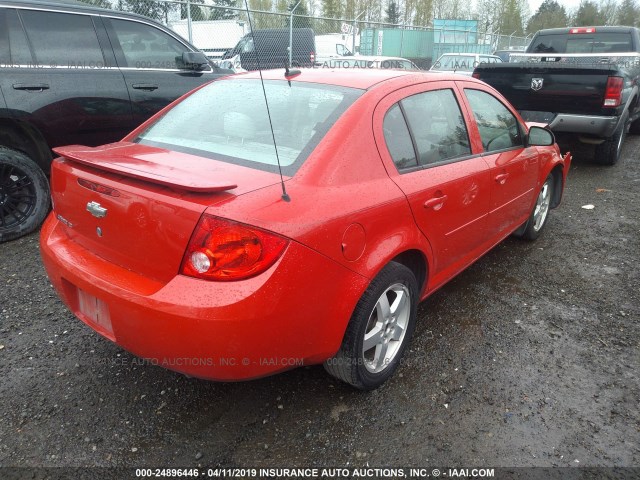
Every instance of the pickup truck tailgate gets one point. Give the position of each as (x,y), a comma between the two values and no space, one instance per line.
(549,87)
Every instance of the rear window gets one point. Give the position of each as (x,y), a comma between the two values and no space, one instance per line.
(582,43)
(61,39)
(227,120)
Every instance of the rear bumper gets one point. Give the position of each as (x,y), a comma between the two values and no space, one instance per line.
(585,124)
(293,314)
(594,125)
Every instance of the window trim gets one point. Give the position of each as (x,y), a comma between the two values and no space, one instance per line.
(99,13)
(415,145)
(521,127)
(4,15)
(411,136)
(34,57)
(120,57)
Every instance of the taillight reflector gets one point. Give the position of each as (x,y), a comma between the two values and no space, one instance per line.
(613,92)
(223,250)
(96,187)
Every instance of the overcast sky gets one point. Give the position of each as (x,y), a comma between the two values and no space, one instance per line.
(567,4)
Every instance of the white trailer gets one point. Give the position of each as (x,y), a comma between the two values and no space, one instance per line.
(333,45)
(213,37)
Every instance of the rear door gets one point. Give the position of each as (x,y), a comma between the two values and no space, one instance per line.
(62,78)
(149,60)
(514,168)
(424,142)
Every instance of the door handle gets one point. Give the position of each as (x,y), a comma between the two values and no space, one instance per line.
(502,178)
(436,202)
(31,87)
(150,87)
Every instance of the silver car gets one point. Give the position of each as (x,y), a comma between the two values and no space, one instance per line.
(463,63)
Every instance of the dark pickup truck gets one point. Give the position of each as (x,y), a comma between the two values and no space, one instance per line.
(582,82)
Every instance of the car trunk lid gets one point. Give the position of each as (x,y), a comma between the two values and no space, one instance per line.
(136,206)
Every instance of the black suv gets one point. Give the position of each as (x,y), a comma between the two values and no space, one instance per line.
(75,74)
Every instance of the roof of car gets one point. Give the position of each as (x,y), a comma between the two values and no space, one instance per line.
(71,5)
(362,79)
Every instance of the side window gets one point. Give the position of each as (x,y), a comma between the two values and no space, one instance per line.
(499,129)
(437,125)
(398,139)
(14,49)
(145,46)
(62,39)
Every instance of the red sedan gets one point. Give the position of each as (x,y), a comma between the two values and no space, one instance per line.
(181,244)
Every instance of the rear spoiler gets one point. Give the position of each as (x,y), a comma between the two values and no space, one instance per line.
(128,159)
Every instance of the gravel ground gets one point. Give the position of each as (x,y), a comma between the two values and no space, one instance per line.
(529,358)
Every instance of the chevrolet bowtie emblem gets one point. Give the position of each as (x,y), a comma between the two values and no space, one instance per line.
(95,209)
(536,83)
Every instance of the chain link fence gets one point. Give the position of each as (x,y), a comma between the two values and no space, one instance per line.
(220,31)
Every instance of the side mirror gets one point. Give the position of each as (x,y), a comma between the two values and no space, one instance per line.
(540,137)
(194,61)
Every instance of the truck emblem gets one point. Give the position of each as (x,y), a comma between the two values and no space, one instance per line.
(536,83)
(95,209)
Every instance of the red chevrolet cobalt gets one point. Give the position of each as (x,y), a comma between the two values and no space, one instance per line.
(184,244)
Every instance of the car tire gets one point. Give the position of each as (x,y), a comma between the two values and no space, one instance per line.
(634,128)
(386,317)
(24,195)
(534,226)
(608,152)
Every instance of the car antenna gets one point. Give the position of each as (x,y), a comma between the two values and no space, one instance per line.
(289,74)
(285,195)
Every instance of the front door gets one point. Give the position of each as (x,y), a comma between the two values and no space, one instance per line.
(149,59)
(514,168)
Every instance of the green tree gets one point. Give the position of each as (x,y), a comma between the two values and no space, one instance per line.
(196,11)
(392,13)
(608,11)
(331,8)
(588,14)
(149,8)
(550,14)
(350,9)
(300,16)
(98,3)
(423,13)
(261,20)
(628,13)
(223,13)
(512,18)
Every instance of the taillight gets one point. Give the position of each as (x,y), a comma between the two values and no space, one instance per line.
(312,57)
(476,75)
(583,30)
(223,250)
(613,92)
